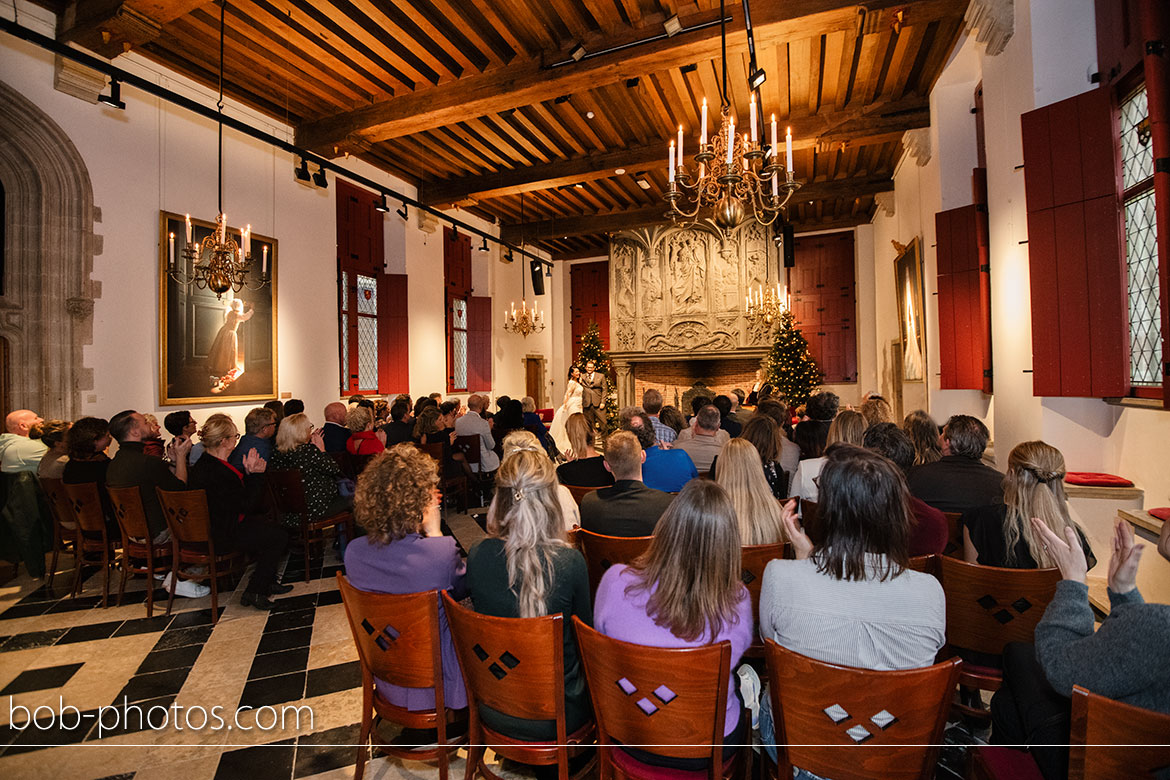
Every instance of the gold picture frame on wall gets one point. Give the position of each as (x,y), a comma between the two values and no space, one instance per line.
(211,349)
(911,311)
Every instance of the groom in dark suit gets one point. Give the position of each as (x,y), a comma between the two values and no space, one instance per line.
(595,388)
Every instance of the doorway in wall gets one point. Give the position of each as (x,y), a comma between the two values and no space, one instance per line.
(534,371)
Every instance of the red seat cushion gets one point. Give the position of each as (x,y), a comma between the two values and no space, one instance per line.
(546,415)
(1006,763)
(1162,512)
(1096,479)
(643,771)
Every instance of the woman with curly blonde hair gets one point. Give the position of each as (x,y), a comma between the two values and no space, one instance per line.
(526,568)
(404,551)
(924,432)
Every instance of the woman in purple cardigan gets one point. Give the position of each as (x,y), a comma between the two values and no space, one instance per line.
(404,551)
(685,591)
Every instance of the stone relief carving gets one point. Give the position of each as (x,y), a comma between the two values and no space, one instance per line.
(687,265)
(650,283)
(690,336)
(626,337)
(622,282)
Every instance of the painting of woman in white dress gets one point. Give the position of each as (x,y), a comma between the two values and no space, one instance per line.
(225,359)
(908,275)
(571,406)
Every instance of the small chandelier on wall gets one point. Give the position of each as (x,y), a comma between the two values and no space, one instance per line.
(763,307)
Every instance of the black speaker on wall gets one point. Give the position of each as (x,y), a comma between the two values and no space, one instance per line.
(537,269)
(789,246)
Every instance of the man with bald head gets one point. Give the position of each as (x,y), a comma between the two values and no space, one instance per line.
(21,448)
(336,434)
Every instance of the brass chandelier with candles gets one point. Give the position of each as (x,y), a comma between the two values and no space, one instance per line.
(763,306)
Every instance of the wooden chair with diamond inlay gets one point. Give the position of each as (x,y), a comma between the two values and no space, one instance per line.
(193,545)
(140,555)
(820,709)
(516,666)
(95,546)
(603,551)
(287,489)
(755,560)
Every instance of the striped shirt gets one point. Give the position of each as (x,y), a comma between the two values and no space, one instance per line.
(664,432)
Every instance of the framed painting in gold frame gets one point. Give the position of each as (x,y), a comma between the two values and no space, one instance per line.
(214,348)
(911,311)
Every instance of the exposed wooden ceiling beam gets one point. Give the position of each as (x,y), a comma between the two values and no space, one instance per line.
(650,215)
(113,27)
(881,123)
(529,82)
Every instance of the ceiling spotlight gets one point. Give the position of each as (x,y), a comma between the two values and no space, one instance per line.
(588,114)
(579,185)
(302,172)
(402,212)
(757,78)
(114,99)
(320,180)
(619,171)
(643,184)
(631,83)
(578,53)
(548,270)
(382,205)
(508,257)
(561,99)
(688,68)
(483,247)
(673,26)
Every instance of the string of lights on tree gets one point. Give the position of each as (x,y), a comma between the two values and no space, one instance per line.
(789,367)
(593,349)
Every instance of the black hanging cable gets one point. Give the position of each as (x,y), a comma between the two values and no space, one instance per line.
(219,103)
(723,43)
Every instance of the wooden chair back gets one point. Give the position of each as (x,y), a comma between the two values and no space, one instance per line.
(927,564)
(755,560)
(358,463)
(435,450)
(809,517)
(288,491)
(343,462)
(899,717)
(59,507)
(603,551)
(397,636)
(579,492)
(672,698)
(954,546)
(186,515)
(988,606)
(574,537)
(469,446)
(513,665)
(130,514)
(1110,739)
(86,503)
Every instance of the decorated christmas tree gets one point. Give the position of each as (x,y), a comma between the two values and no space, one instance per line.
(789,368)
(593,349)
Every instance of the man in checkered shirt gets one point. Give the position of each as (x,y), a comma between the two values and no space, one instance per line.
(652,403)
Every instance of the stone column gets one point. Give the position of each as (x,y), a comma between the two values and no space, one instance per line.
(625,382)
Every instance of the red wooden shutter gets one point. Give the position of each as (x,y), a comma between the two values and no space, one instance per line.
(963,299)
(1080,343)
(393,334)
(824,302)
(589,301)
(479,344)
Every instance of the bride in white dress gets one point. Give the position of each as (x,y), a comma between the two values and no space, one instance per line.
(572,405)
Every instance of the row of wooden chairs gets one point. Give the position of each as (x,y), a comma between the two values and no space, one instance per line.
(673,699)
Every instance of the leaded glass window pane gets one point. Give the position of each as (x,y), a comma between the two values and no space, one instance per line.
(344,351)
(367,295)
(459,312)
(1145,307)
(367,353)
(459,344)
(1137,153)
(344,290)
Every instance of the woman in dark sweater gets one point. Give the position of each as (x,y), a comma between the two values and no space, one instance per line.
(232,496)
(585,468)
(526,568)
(301,448)
(87,441)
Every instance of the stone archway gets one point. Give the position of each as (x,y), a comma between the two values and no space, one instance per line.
(46,312)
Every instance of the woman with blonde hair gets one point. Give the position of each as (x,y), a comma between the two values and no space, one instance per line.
(876,410)
(738,471)
(848,427)
(404,551)
(924,432)
(585,468)
(526,568)
(1001,534)
(363,439)
(686,591)
(526,441)
(301,447)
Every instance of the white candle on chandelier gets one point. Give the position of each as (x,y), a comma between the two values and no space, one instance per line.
(188,228)
(171,251)
(730,142)
(775,185)
(680,146)
(747,303)
(752,117)
(788,147)
(248,240)
(703,128)
(745,148)
(223,228)
(774,148)
(264,264)
(670,165)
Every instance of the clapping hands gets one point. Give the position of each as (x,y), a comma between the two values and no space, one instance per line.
(1067,553)
(253,463)
(1126,556)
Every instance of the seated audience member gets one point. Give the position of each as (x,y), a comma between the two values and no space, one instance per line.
(532,420)
(53,436)
(293,406)
(259,431)
(132,467)
(627,413)
(1125,659)
(277,408)
(526,441)
(924,433)
(300,447)
(398,430)
(233,496)
(21,448)
(959,480)
(363,439)
(706,438)
(87,442)
(1001,533)
(760,390)
(652,405)
(473,424)
(334,433)
(672,418)
(876,409)
(928,534)
(850,599)
(847,427)
(812,434)
(437,398)
(526,568)
(585,468)
(628,508)
(685,591)
(738,413)
(153,445)
(757,511)
(510,418)
(428,428)
(790,453)
(404,551)
(697,403)
(423,403)
(726,422)
(664,469)
(762,433)
(182,426)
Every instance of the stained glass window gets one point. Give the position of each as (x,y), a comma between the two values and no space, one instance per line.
(359,332)
(1141,244)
